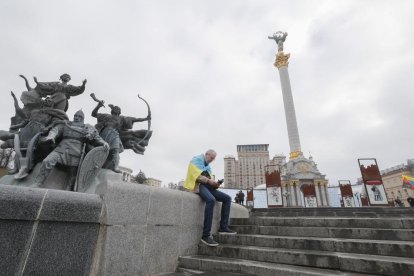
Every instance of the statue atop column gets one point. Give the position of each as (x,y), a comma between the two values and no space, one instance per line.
(282,58)
(279,37)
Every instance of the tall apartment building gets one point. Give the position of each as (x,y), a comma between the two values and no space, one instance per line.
(248,170)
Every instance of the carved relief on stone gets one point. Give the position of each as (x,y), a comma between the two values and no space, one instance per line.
(303,168)
(294,154)
(282,59)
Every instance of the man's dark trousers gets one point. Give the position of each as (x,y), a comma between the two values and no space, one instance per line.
(210,196)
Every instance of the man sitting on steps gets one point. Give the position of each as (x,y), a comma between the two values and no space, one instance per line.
(199,180)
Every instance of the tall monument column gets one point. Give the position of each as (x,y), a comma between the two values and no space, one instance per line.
(282,64)
(299,171)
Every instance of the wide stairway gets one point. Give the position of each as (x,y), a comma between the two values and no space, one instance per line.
(312,241)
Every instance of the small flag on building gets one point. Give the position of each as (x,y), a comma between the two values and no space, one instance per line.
(408,182)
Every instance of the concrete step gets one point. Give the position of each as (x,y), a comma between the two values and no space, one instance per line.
(360,263)
(190,272)
(328,232)
(389,223)
(336,214)
(221,264)
(187,272)
(335,210)
(373,247)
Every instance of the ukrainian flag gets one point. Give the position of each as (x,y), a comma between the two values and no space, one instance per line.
(196,167)
(408,181)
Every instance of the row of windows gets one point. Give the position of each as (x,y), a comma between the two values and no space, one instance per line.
(248,148)
(398,193)
(249,172)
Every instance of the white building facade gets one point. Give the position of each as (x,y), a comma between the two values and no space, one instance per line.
(153,182)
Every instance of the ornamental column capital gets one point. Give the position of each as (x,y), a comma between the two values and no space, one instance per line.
(282,60)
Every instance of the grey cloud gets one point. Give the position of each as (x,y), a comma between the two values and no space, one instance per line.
(206,69)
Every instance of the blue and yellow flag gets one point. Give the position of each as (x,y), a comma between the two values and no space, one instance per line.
(408,182)
(195,168)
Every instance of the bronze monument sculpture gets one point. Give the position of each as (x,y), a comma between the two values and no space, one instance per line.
(70,151)
(280,38)
(45,140)
(116,130)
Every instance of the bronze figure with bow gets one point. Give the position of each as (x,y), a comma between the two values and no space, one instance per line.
(149,120)
(117,131)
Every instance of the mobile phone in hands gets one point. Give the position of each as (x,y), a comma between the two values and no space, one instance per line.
(221,181)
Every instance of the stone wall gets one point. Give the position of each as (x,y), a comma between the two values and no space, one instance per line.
(47,232)
(147,228)
(124,229)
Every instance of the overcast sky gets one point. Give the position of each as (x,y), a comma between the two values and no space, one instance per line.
(206,68)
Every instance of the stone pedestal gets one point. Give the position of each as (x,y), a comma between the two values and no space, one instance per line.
(318,194)
(48,232)
(123,229)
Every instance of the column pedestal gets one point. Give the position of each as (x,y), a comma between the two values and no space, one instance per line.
(324,202)
(292,196)
(318,194)
(299,196)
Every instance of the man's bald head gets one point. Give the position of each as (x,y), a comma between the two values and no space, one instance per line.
(210,155)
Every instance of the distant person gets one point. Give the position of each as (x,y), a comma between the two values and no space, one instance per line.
(241,197)
(398,203)
(236,198)
(199,180)
(410,201)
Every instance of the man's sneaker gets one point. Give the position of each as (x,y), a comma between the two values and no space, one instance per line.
(209,241)
(227,231)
